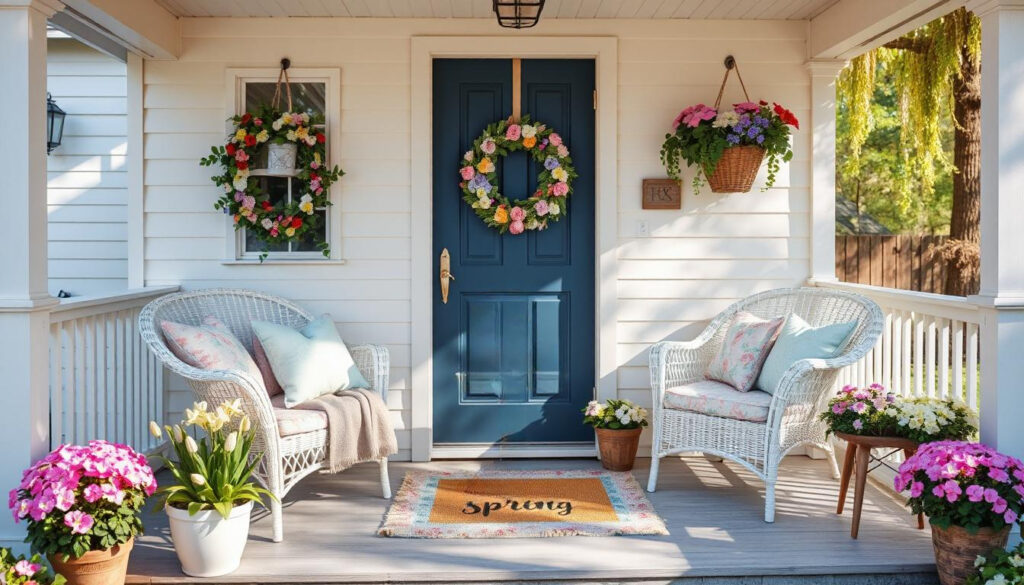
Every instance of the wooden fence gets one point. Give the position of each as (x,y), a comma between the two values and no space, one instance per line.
(905,262)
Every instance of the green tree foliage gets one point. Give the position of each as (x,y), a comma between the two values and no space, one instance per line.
(873,170)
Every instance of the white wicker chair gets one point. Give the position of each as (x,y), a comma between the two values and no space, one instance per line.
(793,413)
(286,460)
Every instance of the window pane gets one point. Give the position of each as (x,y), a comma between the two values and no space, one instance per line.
(308,241)
(277,188)
(309,97)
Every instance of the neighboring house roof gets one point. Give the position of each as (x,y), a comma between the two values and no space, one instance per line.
(848,222)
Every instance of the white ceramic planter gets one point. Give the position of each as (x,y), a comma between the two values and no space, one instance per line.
(281,158)
(207,544)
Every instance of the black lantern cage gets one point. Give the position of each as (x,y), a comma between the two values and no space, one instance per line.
(518,13)
(54,124)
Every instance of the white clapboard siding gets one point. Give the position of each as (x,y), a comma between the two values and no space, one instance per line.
(87,191)
(691,265)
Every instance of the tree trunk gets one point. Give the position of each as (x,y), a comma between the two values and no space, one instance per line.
(962,252)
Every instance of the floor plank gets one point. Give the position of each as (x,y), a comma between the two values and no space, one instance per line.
(712,510)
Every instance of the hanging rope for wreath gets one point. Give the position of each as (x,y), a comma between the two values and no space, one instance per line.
(297,148)
(554,182)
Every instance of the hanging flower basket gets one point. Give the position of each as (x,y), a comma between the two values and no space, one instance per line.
(736,170)
(728,145)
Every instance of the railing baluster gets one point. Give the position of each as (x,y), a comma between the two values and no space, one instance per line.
(958,361)
(907,366)
(919,356)
(930,356)
(943,357)
(887,350)
(972,366)
(897,351)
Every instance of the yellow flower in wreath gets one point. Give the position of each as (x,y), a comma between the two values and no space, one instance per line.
(485,166)
(501,215)
(560,174)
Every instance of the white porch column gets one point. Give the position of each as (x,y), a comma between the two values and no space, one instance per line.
(823,167)
(1002,207)
(24,302)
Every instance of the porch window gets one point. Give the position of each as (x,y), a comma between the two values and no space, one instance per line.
(316,93)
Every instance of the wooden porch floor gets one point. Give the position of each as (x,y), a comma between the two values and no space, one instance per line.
(713,511)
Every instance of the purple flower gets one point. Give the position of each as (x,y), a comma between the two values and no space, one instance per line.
(551,163)
(733,139)
(760,138)
(480,182)
(857,424)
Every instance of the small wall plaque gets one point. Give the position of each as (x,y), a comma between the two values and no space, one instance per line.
(662,194)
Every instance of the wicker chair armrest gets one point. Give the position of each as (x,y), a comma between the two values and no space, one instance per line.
(374,362)
(673,363)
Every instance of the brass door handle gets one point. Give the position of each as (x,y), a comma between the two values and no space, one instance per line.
(446,274)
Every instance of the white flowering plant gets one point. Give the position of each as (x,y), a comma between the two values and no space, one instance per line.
(1000,567)
(875,411)
(614,414)
(214,472)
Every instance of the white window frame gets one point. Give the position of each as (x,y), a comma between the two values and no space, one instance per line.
(236,80)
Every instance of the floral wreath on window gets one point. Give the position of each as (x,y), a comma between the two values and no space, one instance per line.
(554,182)
(248,203)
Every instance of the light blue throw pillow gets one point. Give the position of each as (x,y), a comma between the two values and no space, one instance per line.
(798,341)
(308,362)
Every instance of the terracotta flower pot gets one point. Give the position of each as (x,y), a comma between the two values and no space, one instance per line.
(618,447)
(96,567)
(956,549)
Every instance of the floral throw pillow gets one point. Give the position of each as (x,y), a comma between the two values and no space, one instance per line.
(748,340)
(210,346)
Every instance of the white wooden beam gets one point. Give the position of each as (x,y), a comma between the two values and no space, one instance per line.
(1002,206)
(24,301)
(851,27)
(144,27)
(823,73)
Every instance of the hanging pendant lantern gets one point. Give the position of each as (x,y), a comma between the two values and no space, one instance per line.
(54,124)
(518,13)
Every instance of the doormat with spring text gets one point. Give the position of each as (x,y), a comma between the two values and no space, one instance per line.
(518,504)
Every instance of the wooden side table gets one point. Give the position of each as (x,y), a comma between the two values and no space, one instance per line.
(858,460)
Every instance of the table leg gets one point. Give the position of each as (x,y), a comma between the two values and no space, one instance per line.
(920,515)
(844,481)
(862,459)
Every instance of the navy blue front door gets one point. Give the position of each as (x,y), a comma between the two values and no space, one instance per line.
(514,345)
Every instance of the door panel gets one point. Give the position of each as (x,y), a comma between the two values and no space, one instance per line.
(514,345)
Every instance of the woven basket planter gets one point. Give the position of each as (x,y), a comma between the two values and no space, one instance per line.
(956,549)
(736,169)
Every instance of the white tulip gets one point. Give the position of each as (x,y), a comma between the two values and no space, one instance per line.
(198,479)
(178,434)
(245,425)
(154,429)
(190,445)
(230,442)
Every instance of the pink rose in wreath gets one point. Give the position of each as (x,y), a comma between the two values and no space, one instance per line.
(517,214)
(555,138)
(513,132)
(467,173)
(516,227)
(541,207)
(560,189)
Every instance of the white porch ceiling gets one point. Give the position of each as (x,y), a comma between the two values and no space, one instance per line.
(645,9)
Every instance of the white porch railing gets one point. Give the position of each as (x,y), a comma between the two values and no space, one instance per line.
(104,383)
(929,346)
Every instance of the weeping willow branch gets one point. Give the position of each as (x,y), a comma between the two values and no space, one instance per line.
(924,66)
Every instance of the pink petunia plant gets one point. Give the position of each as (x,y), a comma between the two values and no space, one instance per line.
(82,498)
(958,483)
(18,570)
